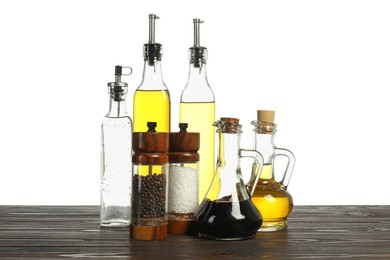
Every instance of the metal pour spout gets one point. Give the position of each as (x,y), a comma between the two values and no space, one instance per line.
(152,27)
(197,53)
(118,89)
(152,50)
(197,23)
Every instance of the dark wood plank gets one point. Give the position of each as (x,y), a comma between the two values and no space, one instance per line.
(323,232)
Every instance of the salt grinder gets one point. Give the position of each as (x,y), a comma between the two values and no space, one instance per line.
(183,180)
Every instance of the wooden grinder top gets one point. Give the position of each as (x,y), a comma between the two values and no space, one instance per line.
(183,146)
(150,147)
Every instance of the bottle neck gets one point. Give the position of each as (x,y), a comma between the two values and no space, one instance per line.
(117,108)
(197,88)
(228,159)
(198,74)
(264,144)
(152,76)
(228,179)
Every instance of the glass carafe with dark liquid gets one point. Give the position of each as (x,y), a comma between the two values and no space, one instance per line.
(271,197)
(227,213)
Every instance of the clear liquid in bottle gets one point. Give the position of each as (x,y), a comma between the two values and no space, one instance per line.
(116,151)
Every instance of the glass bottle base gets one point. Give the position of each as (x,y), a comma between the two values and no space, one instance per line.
(273,225)
(115,216)
(225,238)
(115,223)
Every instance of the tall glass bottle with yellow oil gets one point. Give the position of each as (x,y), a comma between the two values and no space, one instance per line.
(197,108)
(151,99)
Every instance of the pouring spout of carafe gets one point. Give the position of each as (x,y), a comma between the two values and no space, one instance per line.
(256,167)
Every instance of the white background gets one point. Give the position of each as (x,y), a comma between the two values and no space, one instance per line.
(324,66)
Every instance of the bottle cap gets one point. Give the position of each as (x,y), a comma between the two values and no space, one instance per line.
(265,122)
(118,89)
(228,125)
(151,126)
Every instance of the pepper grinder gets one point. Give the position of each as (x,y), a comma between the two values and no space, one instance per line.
(149,220)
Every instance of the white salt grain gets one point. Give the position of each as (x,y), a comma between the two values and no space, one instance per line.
(183,189)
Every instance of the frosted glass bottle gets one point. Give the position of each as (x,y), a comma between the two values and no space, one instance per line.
(197,108)
(116,167)
(151,99)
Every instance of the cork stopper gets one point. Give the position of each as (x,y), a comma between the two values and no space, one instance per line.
(230,125)
(230,120)
(266,116)
(265,122)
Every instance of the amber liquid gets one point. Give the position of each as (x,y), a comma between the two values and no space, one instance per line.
(272,200)
(200,117)
(223,220)
(152,106)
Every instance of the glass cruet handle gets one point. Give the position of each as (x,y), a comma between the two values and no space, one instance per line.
(290,164)
(258,166)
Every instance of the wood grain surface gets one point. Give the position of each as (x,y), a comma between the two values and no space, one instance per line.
(315,232)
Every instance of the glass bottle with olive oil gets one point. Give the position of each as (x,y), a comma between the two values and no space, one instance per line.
(151,99)
(197,108)
(271,197)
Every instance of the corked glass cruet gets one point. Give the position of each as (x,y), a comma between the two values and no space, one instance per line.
(149,219)
(270,196)
(227,213)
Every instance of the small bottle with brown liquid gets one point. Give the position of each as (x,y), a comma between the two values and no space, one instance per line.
(271,197)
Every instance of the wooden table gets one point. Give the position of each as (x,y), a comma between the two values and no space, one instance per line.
(320,232)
